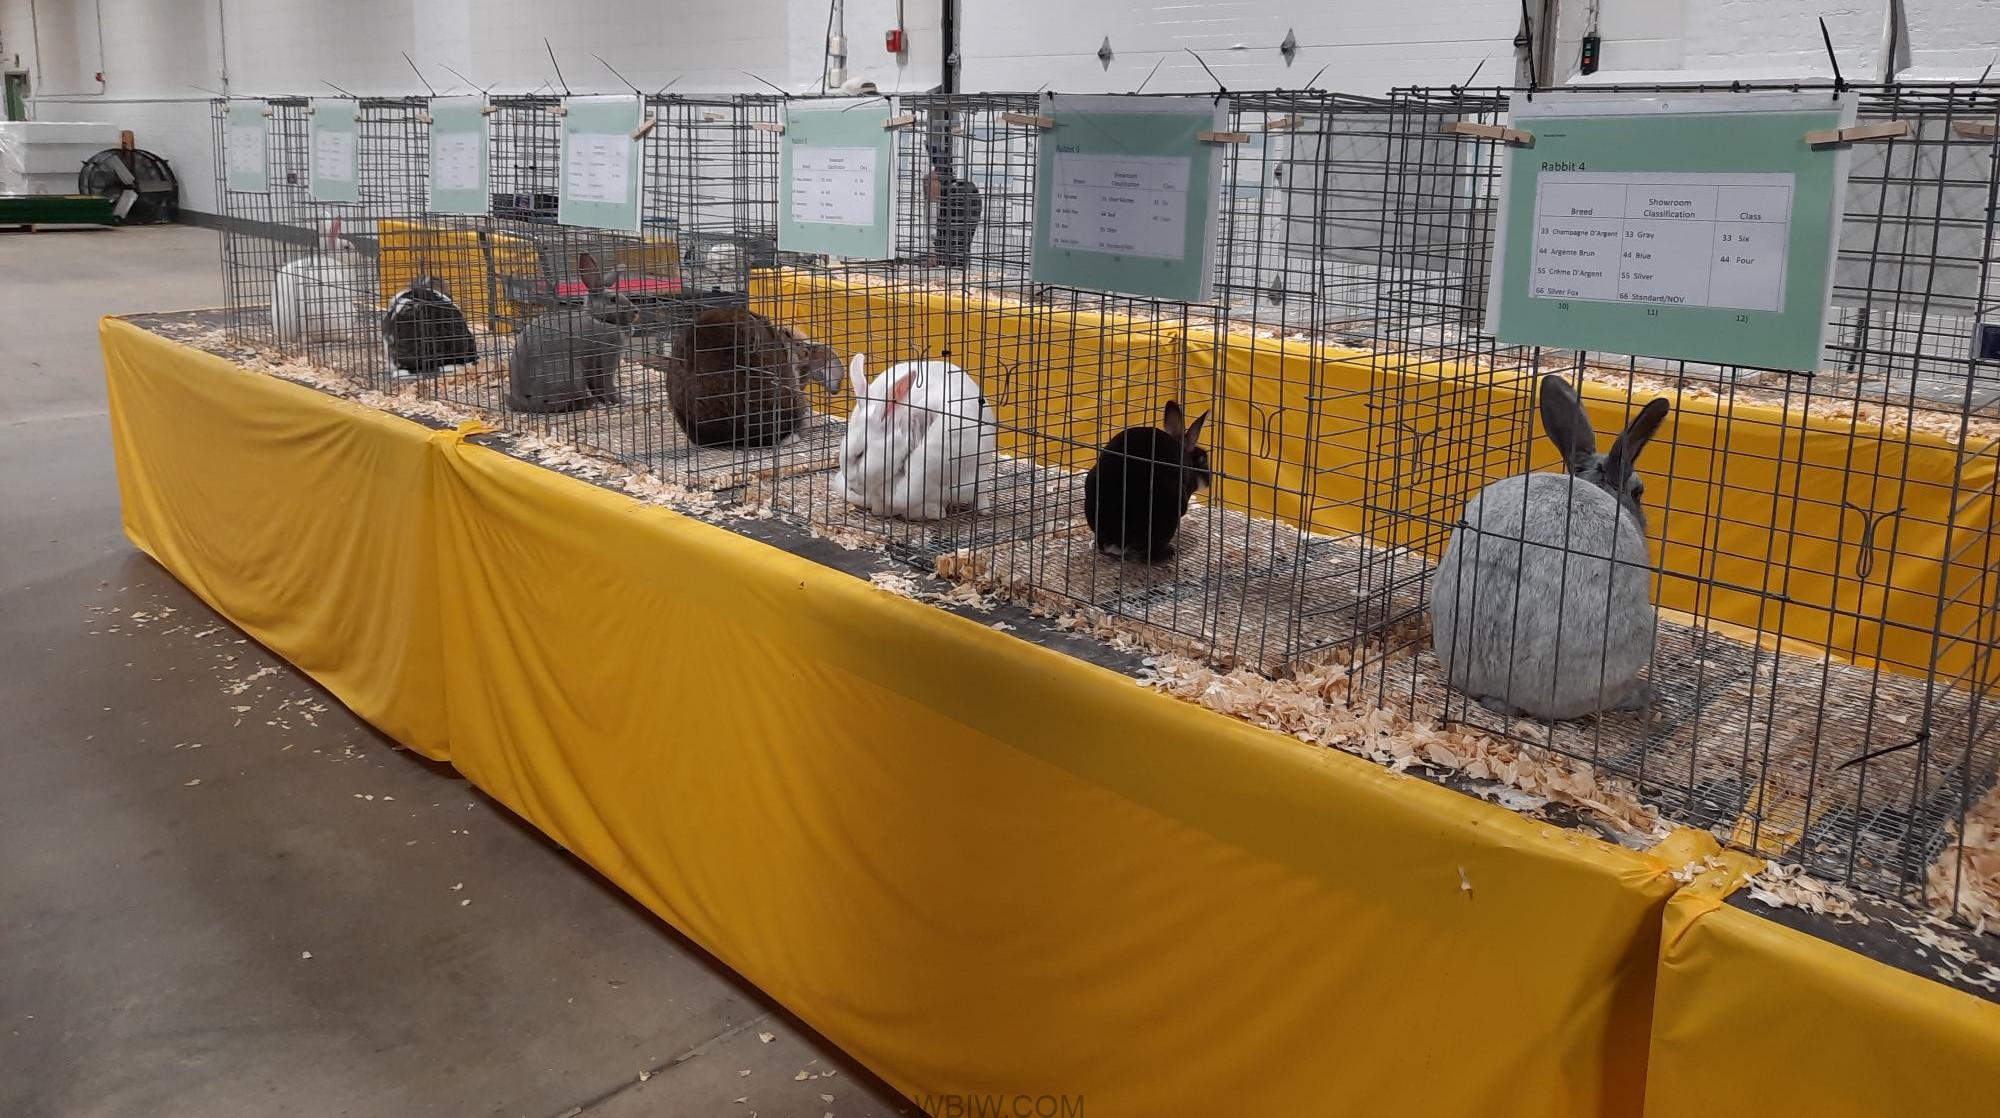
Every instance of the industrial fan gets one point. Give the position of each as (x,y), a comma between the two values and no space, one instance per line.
(140,185)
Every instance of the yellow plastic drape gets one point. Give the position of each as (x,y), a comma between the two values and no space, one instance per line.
(980,866)
(1755,1019)
(301,518)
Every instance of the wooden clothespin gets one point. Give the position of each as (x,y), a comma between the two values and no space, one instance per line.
(1029,120)
(645,126)
(1977,130)
(1885,130)
(488,110)
(1282,124)
(1223,137)
(425,118)
(1498,132)
(768,126)
(559,110)
(712,117)
(903,121)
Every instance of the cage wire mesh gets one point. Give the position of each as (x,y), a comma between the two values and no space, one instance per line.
(304,276)
(1826,566)
(1824,656)
(1265,566)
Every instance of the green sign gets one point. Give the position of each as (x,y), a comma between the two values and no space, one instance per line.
(1125,195)
(334,134)
(599,187)
(1690,226)
(458,162)
(834,179)
(244,147)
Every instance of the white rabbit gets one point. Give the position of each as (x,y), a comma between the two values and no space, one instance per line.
(314,298)
(919,441)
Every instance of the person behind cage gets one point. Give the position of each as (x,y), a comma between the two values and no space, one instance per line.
(958,209)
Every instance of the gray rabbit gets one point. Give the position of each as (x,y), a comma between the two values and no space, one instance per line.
(1555,571)
(568,357)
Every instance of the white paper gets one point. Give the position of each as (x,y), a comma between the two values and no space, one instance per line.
(1669,239)
(599,168)
(457,155)
(833,186)
(333,155)
(1129,205)
(246,149)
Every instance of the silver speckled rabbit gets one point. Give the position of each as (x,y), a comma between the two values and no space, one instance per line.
(1542,603)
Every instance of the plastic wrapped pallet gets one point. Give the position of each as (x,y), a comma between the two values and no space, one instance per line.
(35,154)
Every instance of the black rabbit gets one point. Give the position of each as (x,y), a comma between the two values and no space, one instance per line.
(425,332)
(1136,494)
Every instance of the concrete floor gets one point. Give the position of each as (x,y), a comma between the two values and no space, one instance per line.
(221,895)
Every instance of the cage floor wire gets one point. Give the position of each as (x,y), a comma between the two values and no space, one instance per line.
(1726,711)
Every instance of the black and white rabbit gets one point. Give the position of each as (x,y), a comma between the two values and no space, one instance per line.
(1542,603)
(1136,494)
(424,332)
(568,357)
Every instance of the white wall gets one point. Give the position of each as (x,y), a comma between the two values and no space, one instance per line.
(1366,46)
(155,52)
(1647,40)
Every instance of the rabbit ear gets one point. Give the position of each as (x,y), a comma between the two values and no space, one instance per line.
(1625,452)
(586,267)
(1193,437)
(1564,420)
(857,375)
(1173,421)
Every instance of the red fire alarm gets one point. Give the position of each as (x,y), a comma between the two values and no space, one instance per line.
(894,40)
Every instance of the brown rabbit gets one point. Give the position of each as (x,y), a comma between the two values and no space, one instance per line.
(738,379)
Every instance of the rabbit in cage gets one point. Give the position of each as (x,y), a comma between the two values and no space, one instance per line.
(568,357)
(737,379)
(918,440)
(1542,603)
(1137,492)
(424,332)
(313,298)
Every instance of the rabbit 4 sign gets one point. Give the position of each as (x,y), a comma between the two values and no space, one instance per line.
(834,179)
(333,129)
(1127,194)
(1683,226)
(599,187)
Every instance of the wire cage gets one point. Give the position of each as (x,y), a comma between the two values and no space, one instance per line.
(1260,559)
(1818,546)
(304,276)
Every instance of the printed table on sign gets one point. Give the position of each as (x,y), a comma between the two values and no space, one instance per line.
(1697,240)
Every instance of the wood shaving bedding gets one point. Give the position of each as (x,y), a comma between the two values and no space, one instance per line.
(1966,874)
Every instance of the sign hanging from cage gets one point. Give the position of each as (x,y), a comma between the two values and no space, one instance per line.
(244,147)
(334,132)
(458,160)
(834,180)
(599,186)
(1126,192)
(1699,227)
